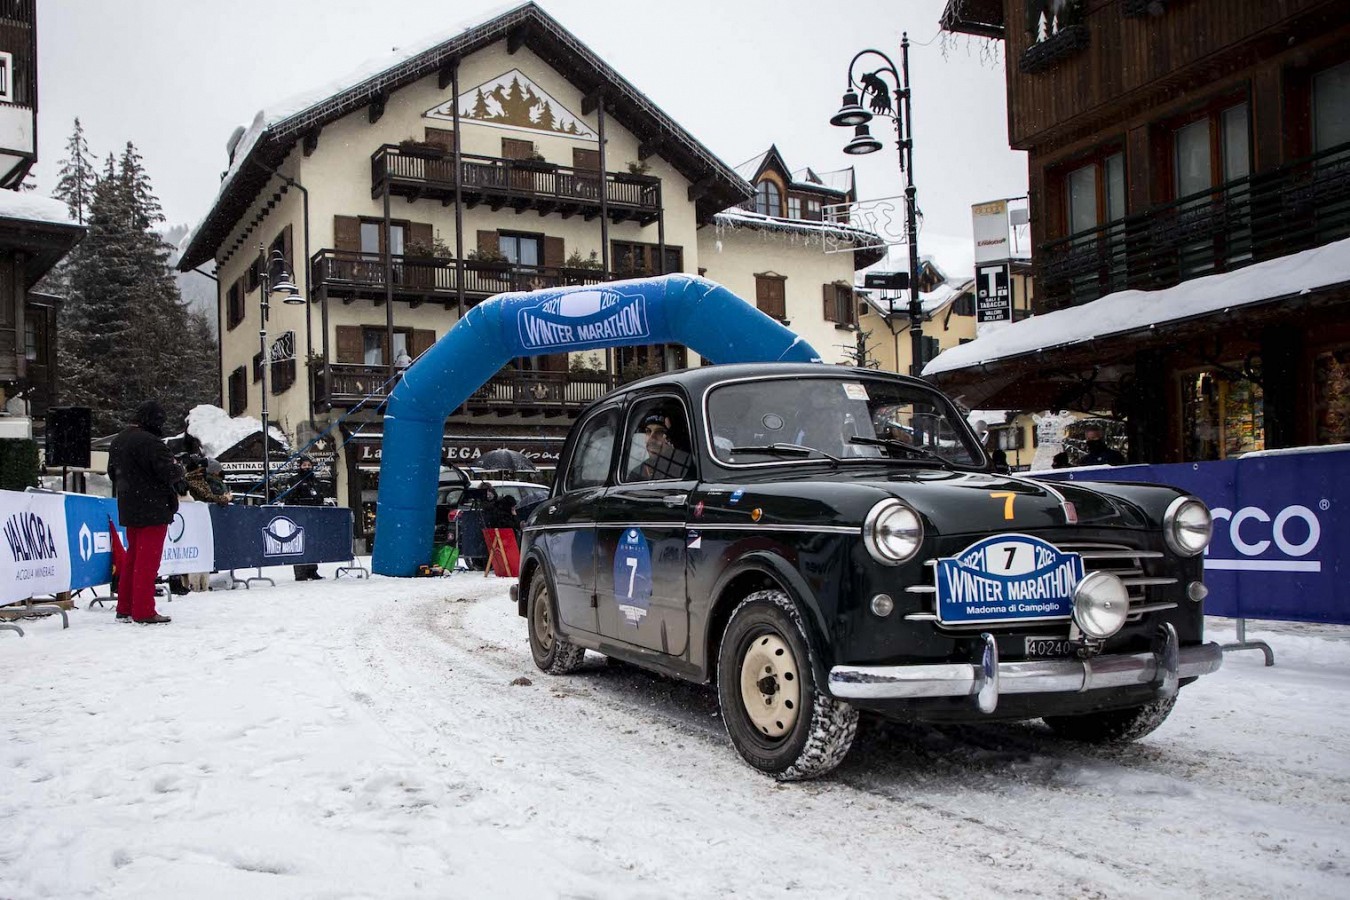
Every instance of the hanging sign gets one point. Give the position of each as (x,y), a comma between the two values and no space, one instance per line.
(993,298)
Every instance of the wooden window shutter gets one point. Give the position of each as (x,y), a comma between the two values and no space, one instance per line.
(445,137)
(489,243)
(347,233)
(420,233)
(422,339)
(349,349)
(830,304)
(586,159)
(554,252)
(288,248)
(513,148)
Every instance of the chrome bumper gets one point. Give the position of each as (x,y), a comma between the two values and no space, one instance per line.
(987,679)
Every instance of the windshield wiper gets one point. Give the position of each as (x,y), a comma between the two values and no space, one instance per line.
(920,452)
(785,450)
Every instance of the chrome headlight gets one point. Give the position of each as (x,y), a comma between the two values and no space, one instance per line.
(1100,604)
(892,532)
(1187,526)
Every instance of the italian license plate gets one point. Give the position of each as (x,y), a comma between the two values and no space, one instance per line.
(1037,647)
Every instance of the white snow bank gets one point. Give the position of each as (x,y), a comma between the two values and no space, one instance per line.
(218,432)
(1124,311)
(20,205)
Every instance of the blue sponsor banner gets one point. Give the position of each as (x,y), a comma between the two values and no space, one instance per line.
(1281,547)
(1007,578)
(87,528)
(597,317)
(248,536)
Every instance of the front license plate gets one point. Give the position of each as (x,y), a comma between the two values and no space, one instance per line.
(1037,647)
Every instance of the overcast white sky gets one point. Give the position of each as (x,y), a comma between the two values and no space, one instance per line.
(177,76)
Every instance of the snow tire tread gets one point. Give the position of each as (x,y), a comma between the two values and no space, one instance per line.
(1111,727)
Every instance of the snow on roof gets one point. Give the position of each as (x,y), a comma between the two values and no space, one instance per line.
(840,180)
(298,103)
(219,432)
(21,205)
(989,417)
(737,217)
(931,301)
(1298,273)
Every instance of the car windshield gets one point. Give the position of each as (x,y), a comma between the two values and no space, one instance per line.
(789,420)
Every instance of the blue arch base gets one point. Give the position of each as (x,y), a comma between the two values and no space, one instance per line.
(682,309)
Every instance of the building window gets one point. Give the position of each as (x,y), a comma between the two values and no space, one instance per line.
(794,207)
(234,305)
(6,78)
(370,237)
(768,201)
(1222,415)
(771,295)
(813,210)
(1211,150)
(631,258)
(257,367)
(839,306)
(521,249)
(1096,193)
(238,392)
(1007,438)
(1331,107)
(1331,401)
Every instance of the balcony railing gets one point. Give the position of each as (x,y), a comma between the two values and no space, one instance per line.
(348,274)
(517,183)
(1273,213)
(531,392)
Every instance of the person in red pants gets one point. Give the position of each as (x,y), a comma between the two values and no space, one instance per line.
(145,480)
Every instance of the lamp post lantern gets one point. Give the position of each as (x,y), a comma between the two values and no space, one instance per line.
(872,87)
(276,277)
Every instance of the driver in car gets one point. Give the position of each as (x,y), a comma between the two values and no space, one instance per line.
(664,459)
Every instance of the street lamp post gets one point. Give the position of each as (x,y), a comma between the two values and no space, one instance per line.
(873,88)
(276,277)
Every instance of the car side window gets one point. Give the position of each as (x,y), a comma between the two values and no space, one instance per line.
(658,441)
(589,466)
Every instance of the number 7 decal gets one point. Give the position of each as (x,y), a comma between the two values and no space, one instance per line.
(1008,497)
(631,562)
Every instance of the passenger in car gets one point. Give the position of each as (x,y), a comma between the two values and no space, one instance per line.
(664,459)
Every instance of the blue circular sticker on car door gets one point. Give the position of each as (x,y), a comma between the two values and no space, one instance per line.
(633,575)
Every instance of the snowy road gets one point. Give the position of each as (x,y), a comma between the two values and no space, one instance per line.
(350,738)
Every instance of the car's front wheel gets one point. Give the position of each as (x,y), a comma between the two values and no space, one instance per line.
(1116,726)
(777,718)
(551,651)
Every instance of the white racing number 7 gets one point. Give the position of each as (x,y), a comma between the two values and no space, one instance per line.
(631,562)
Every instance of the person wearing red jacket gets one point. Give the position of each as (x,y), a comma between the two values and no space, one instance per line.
(145,480)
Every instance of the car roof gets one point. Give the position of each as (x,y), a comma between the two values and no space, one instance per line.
(701,377)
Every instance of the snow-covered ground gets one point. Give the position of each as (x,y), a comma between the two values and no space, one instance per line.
(351,738)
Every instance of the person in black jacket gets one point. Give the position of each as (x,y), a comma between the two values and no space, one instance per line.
(145,480)
(305,490)
(1098,453)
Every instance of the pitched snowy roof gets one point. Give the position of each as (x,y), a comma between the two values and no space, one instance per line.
(840,181)
(276,129)
(32,208)
(847,234)
(1126,311)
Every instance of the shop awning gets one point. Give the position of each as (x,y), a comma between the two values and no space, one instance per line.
(1035,362)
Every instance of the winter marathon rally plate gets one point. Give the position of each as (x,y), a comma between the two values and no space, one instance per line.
(1007,578)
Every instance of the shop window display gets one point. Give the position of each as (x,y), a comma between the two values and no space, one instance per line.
(1223,415)
(1332,381)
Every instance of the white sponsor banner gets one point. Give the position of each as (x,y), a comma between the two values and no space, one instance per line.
(190,545)
(34,546)
(990,222)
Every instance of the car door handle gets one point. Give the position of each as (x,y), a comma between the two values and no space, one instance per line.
(674,500)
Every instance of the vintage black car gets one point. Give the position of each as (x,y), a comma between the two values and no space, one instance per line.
(819,540)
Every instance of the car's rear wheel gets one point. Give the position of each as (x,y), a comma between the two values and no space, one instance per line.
(1116,726)
(552,652)
(777,718)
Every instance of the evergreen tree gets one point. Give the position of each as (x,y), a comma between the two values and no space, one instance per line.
(126,334)
(516,109)
(75,184)
(480,107)
(546,118)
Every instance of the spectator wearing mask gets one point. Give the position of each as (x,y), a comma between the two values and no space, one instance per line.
(1098,453)
(145,481)
(305,490)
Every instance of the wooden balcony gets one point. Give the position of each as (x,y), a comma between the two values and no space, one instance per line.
(529,393)
(517,184)
(416,280)
(1295,207)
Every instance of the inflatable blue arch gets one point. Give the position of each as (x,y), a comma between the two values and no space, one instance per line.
(703,316)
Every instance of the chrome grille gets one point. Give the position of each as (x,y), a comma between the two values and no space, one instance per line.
(1126,563)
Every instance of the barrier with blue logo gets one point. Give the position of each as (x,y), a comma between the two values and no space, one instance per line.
(682,309)
(249,536)
(1281,546)
(52,542)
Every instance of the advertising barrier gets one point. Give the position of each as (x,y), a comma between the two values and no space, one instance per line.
(53,542)
(1281,546)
